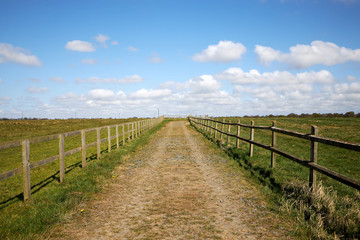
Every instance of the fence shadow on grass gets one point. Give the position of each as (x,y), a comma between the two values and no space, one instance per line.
(54,177)
(264,175)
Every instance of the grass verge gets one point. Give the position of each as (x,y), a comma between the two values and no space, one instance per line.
(49,206)
(322,214)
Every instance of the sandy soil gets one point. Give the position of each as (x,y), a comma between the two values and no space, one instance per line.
(175,187)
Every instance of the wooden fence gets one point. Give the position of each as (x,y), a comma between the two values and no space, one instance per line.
(133,130)
(213,127)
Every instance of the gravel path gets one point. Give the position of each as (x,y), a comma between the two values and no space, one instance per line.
(175,187)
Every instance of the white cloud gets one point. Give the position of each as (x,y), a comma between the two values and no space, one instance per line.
(101,93)
(114,43)
(37,90)
(79,46)
(89,61)
(9,53)
(1,81)
(102,39)
(155,58)
(129,79)
(4,100)
(238,76)
(304,56)
(133,49)
(144,93)
(345,88)
(351,78)
(224,51)
(56,79)
(203,84)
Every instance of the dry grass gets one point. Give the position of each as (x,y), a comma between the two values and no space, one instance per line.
(327,215)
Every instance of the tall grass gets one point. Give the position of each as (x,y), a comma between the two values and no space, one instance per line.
(328,215)
(49,206)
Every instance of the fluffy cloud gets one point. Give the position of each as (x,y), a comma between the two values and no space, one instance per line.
(203,84)
(304,56)
(9,53)
(281,92)
(144,93)
(250,93)
(37,90)
(346,88)
(155,58)
(224,51)
(89,61)
(102,39)
(129,79)
(101,93)
(238,76)
(79,46)
(114,43)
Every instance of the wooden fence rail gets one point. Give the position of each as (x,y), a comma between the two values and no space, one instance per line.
(206,124)
(133,130)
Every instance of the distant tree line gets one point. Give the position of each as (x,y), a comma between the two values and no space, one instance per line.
(313,115)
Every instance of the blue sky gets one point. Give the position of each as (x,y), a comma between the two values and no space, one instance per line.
(130,58)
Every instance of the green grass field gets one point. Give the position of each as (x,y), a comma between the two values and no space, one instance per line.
(11,189)
(343,161)
(52,200)
(332,210)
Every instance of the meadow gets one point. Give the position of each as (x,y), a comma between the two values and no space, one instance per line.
(52,200)
(332,209)
(11,189)
(343,161)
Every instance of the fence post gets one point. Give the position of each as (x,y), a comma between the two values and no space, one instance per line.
(313,157)
(215,131)
(222,129)
(128,128)
(273,144)
(123,133)
(136,129)
(238,134)
(228,131)
(98,143)
(117,136)
(109,139)
(26,170)
(83,149)
(211,128)
(132,130)
(61,157)
(251,149)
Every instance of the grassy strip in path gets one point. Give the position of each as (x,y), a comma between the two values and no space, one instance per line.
(50,206)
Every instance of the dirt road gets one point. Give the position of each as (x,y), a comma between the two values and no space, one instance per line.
(175,187)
